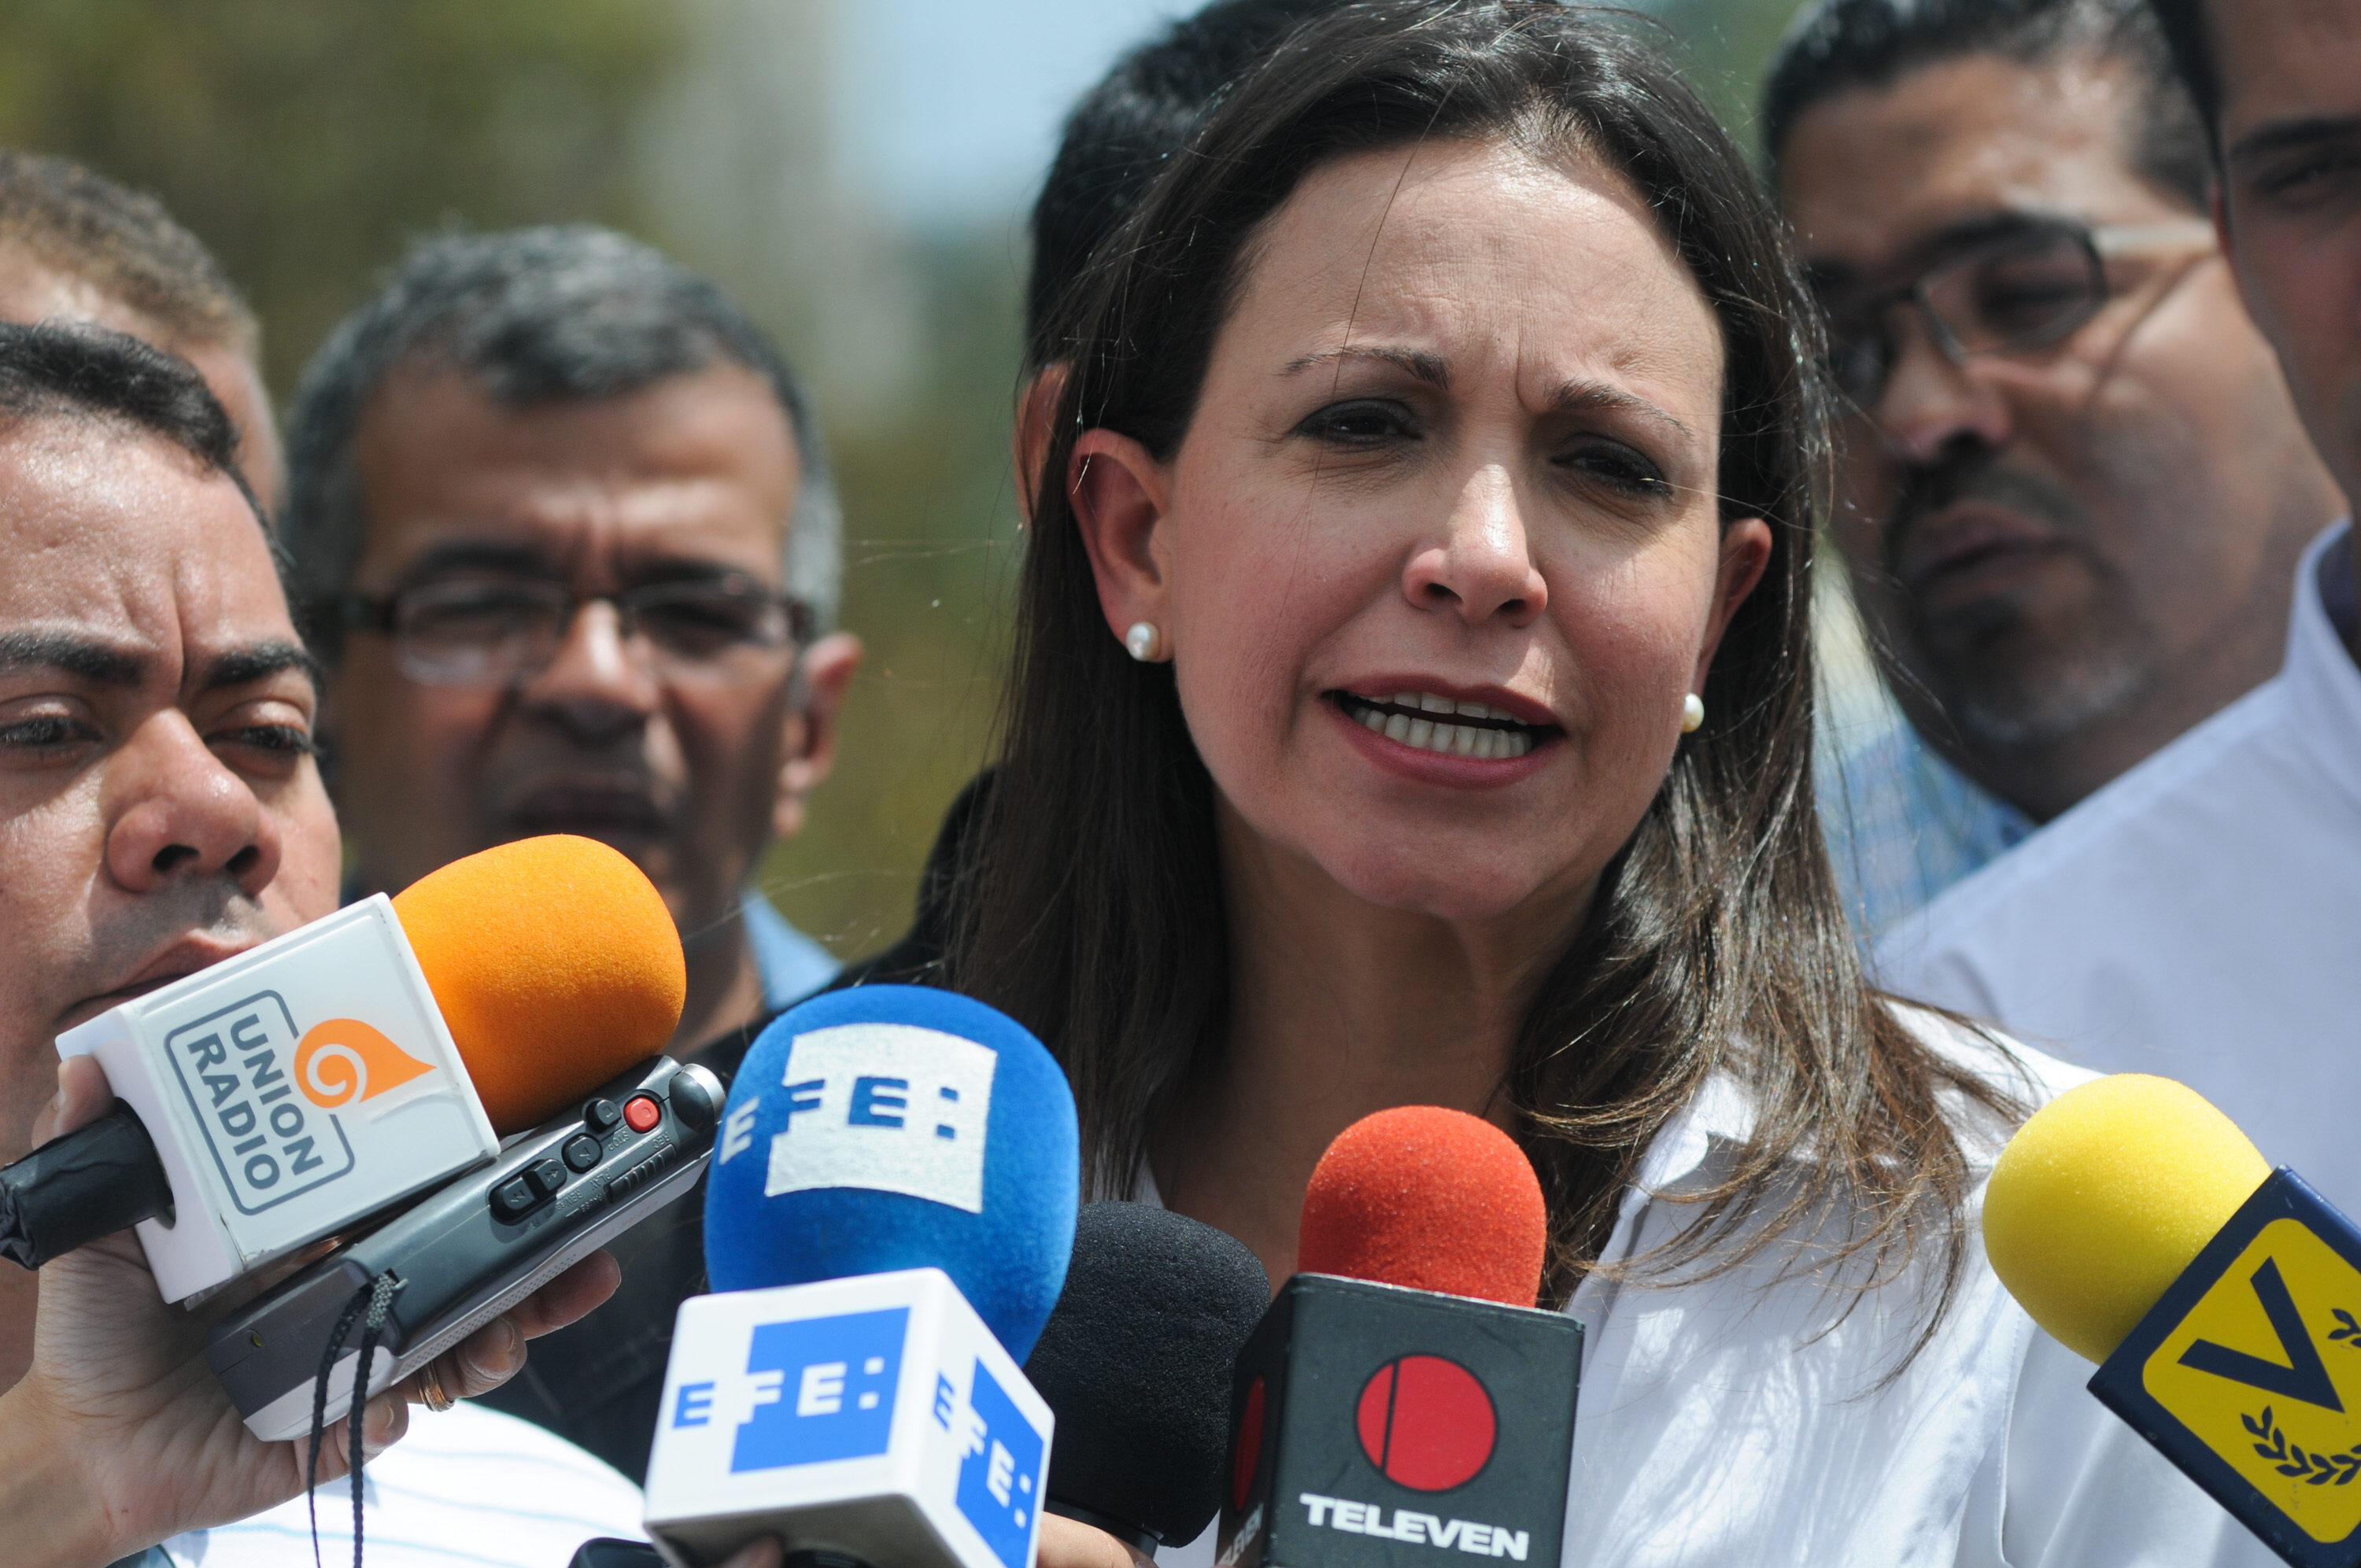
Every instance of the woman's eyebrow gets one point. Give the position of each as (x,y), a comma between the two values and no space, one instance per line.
(1427,368)
(1580,397)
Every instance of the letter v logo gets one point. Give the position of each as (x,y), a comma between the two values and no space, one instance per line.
(2304,1377)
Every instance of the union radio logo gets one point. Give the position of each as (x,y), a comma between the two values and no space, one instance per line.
(265,1094)
(344,1060)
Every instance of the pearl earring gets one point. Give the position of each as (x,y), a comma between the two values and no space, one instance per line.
(1144,640)
(1692,713)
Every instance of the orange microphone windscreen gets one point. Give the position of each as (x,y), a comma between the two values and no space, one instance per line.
(1432,1199)
(556,965)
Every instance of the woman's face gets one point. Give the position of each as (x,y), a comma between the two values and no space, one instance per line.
(1439,557)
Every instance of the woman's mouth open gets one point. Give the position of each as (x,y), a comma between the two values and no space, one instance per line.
(1449,726)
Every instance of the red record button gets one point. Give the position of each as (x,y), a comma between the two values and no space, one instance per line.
(642,1114)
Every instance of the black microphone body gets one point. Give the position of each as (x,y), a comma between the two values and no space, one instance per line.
(1136,1362)
(93,1183)
(1374,1424)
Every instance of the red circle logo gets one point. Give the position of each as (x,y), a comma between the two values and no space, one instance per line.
(1248,1451)
(1426,1423)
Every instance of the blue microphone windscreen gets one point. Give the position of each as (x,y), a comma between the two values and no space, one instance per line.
(897,1126)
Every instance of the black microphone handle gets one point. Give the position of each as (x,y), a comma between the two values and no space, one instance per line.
(91,1183)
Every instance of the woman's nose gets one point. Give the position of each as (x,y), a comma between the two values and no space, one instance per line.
(1482,565)
(179,812)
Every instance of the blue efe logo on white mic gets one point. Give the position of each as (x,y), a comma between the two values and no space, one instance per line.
(1003,1472)
(816,1390)
(891,1107)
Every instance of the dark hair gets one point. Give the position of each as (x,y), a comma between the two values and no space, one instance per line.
(1119,135)
(533,315)
(125,245)
(1090,904)
(2182,22)
(78,372)
(1838,45)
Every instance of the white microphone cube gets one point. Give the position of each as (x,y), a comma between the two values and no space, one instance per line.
(875,1417)
(290,1092)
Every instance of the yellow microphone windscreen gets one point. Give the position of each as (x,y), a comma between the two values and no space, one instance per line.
(2104,1196)
(556,965)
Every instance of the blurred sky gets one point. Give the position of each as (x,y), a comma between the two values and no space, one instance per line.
(951,108)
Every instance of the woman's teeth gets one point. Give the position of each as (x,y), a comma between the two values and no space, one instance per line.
(1438,734)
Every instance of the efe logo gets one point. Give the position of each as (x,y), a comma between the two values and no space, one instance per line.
(815,1389)
(1002,1473)
(890,1107)
(1426,1423)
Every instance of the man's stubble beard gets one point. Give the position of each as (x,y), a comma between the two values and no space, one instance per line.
(1998,695)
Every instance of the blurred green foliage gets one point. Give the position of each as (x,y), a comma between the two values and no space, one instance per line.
(306,141)
(1724,46)
(931,550)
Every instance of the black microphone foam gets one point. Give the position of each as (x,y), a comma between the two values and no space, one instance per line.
(1137,1361)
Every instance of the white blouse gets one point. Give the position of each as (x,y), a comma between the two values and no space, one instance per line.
(1749,1421)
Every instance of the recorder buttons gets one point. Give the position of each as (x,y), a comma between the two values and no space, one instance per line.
(693,1098)
(642,1114)
(512,1198)
(546,1175)
(601,1114)
(581,1151)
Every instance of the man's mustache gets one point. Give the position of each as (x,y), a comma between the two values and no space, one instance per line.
(214,907)
(1978,474)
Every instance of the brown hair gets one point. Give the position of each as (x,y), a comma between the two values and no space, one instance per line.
(1089,904)
(123,244)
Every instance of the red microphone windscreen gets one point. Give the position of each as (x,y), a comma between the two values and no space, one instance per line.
(1432,1199)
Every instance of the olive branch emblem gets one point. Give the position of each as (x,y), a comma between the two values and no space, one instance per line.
(2347,1330)
(2314,1468)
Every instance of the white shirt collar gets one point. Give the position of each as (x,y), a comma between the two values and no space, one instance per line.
(2323,685)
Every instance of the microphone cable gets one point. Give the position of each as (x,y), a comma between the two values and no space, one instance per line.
(367,1307)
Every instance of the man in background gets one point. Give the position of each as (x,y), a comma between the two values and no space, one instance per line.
(2198,919)
(563,523)
(77,247)
(2073,488)
(562,520)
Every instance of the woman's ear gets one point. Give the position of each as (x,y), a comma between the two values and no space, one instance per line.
(1120,495)
(1028,439)
(1745,557)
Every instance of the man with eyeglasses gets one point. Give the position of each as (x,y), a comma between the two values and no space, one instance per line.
(2201,918)
(562,522)
(2072,490)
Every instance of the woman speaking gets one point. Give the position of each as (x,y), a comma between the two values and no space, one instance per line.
(1412,704)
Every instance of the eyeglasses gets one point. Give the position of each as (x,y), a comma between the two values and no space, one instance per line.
(2024,290)
(490,632)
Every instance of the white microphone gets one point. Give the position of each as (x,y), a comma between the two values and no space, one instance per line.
(286,1093)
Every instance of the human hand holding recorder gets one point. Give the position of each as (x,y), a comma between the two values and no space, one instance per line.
(119,1435)
(540,967)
